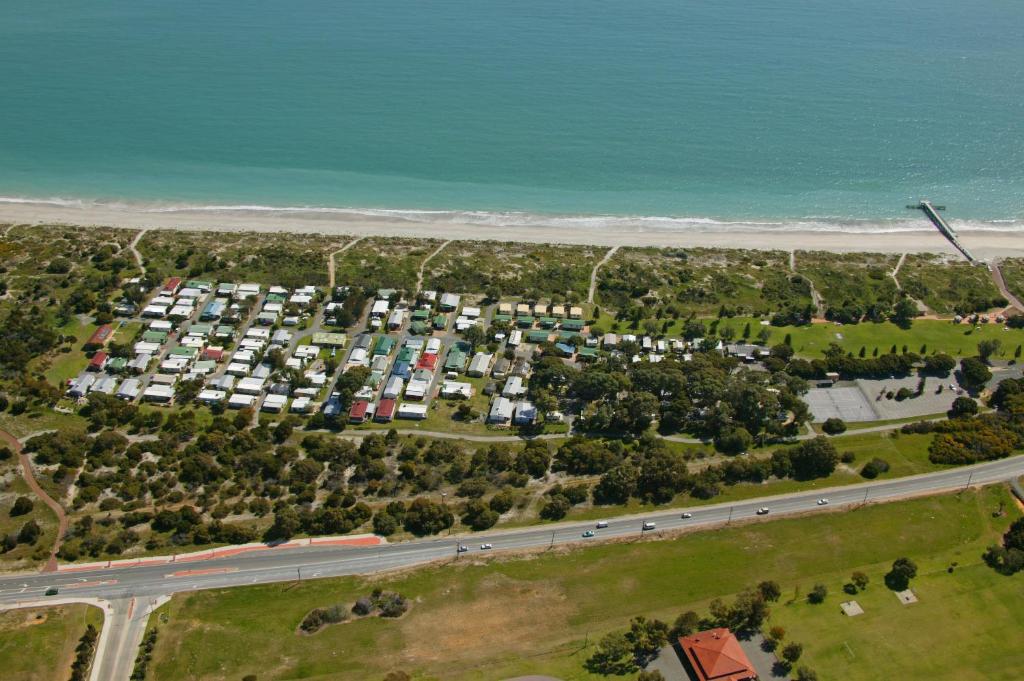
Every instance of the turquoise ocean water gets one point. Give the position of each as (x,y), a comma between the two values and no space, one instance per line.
(691,112)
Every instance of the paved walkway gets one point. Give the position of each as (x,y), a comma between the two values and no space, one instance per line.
(330,260)
(593,274)
(997,278)
(135,251)
(30,479)
(423,265)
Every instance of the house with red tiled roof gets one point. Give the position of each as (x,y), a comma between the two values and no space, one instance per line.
(716,655)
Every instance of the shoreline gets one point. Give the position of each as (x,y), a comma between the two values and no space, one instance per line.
(986,245)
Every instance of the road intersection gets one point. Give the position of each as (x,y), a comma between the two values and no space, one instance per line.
(148,584)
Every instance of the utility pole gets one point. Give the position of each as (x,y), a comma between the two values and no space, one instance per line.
(299,570)
(552,545)
(866,490)
(730,516)
(969,478)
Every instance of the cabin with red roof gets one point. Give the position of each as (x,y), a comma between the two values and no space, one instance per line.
(171,286)
(428,362)
(716,655)
(357,414)
(99,337)
(98,361)
(385,411)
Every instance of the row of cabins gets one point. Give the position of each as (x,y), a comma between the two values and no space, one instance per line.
(411,376)
(541,310)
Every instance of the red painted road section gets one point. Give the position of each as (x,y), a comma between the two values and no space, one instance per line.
(226,552)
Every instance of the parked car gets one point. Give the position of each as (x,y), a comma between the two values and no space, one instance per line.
(763,510)
(601,524)
(588,534)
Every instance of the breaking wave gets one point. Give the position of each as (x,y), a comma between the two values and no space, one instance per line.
(630,223)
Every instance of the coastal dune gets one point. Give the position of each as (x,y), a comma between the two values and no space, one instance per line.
(986,245)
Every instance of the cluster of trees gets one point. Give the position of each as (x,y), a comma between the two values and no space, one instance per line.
(653,473)
(145,655)
(384,603)
(84,653)
(25,333)
(705,396)
(844,363)
(1008,558)
(966,439)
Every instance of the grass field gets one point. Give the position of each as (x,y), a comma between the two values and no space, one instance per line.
(498,618)
(934,335)
(38,644)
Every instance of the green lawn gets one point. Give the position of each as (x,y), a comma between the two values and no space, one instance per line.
(497,618)
(38,644)
(936,335)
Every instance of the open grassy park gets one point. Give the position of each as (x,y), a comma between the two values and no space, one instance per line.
(492,619)
(38,644)
(934,335)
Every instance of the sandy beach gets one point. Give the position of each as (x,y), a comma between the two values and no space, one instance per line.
(986,245)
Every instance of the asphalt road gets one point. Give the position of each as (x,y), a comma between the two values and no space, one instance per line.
(312,562)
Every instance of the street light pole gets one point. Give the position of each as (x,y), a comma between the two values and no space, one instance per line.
(969,478)
(730,516)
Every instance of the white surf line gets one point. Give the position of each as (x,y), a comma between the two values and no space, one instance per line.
(593,273)
(423,265)
(135,251)
(330,259)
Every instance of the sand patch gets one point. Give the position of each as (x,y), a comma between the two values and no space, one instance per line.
(501,608)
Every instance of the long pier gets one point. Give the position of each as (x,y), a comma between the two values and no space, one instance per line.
(932,211)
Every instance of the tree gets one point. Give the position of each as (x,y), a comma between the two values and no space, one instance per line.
(22,506)
(818,593)
(479,516)
(614,656)
(898,578)
(815,458)
(29,533)
(646,637)
(974,373)
(989,347)
(872,469)
(792,652)
(686,623)
(860,580)
(962,407)
(427,517)
(770,591)
(939,364)
(733,440)
(903,313)
(555,508)
(384,524)
(286,524)
(806,674)
(834,426)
